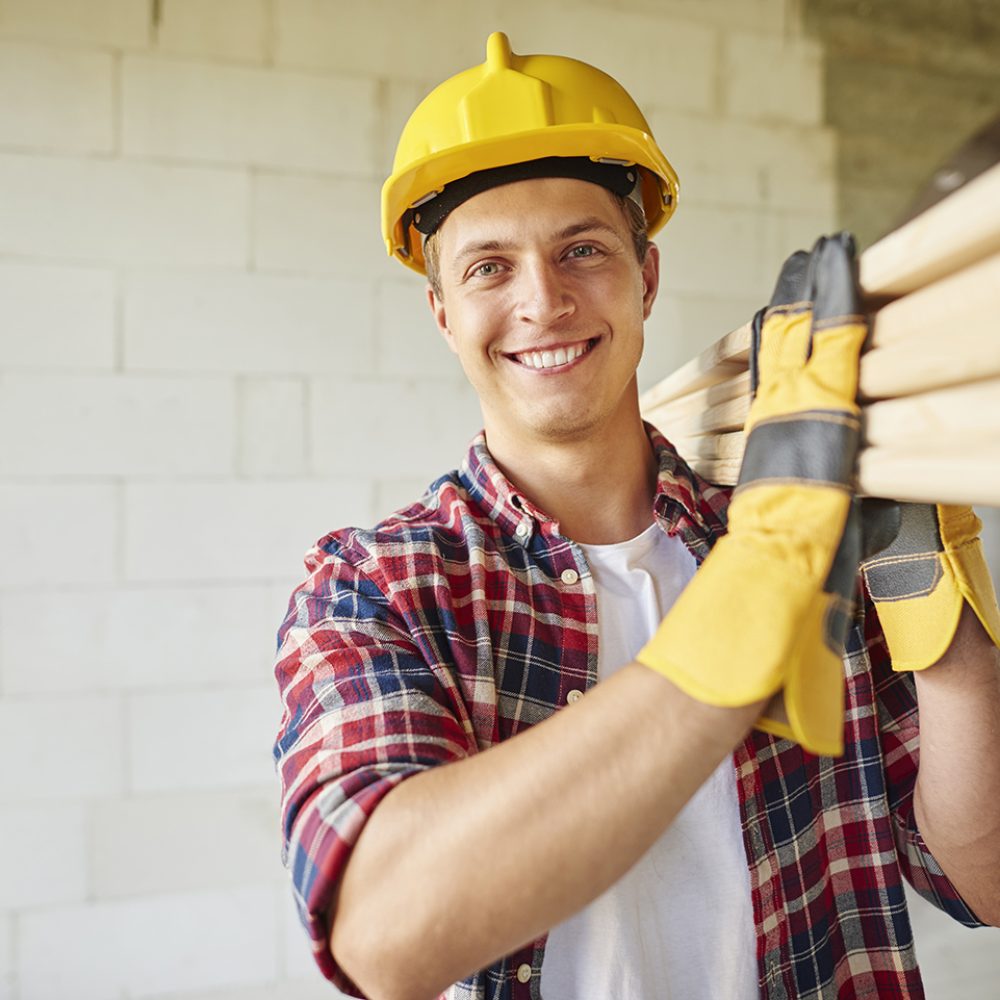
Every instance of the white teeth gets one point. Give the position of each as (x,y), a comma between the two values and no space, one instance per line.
(552,359)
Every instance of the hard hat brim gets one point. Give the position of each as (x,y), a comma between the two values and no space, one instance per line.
(598,141)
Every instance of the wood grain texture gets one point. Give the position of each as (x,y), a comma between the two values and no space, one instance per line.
(929,379)
(958,231)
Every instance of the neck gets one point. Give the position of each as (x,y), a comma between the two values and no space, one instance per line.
(600,488)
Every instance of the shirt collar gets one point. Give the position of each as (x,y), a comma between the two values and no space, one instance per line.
(684,503)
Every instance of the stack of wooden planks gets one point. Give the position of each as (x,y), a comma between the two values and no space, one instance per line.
(930,372)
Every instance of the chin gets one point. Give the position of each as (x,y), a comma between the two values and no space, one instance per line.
(566,427)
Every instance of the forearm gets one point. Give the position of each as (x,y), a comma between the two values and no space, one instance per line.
(465,863)
(957,798)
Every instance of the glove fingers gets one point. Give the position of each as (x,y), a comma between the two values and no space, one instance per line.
(792,283)
(832,280)
(838,324)
(784,338)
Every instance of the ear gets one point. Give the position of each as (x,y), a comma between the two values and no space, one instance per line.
(436,305)
(650,279)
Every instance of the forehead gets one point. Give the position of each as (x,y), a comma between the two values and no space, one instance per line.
(528,210)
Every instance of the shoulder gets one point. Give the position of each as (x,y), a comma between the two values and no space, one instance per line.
(441,525)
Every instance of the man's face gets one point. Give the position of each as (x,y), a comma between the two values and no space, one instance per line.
(543,301)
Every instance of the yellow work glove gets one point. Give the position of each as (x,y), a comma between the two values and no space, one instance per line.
(768,609)
(921,580)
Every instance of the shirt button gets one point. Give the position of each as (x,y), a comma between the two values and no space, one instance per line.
(523,973)
(569,577)
(521,530)
(574,696)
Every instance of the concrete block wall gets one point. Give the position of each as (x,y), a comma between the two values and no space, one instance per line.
(905,85)
(207,361)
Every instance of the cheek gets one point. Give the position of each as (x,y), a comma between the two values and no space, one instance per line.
(477,331)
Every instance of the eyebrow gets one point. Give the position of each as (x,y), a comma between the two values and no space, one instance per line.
(588,225)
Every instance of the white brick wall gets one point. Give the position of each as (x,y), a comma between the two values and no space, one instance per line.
(56,98)
(106,23)
(200,840)
(378,36)
(311,988)
(56,318)
(319,224)
(118,425)
(412,421)
(44,857)
(202,739)
(6,957)
(88,640)
(122,212)
(407,338)
(61,748)
(207,362)
(41,521)
(144,947)
(250,323)
(272,418)
(239,30)
(183,110)
(671,61)
(773,79)
(209,531)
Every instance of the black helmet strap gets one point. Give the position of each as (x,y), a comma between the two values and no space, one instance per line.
(620,179)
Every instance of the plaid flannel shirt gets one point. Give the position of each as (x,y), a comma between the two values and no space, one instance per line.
(465,618)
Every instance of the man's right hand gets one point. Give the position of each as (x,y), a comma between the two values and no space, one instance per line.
(770,607)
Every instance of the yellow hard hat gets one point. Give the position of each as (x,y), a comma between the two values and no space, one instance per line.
(510,110)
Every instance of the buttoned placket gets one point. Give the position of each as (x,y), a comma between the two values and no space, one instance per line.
(571,577)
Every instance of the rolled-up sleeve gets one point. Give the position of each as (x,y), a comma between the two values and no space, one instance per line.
(900,733)
(363,710)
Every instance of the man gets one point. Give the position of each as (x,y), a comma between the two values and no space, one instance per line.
(518,751)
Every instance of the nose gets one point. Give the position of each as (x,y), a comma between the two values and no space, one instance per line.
(543,295)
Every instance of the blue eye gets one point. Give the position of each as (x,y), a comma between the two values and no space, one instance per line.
(487,270)
(584,250)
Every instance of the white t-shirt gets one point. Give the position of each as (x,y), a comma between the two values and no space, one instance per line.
(679,924)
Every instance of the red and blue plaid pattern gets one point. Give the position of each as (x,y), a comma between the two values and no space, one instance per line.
(448,628)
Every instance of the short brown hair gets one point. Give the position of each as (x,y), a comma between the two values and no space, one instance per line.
(634,216)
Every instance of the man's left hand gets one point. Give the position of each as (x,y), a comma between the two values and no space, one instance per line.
(921,581)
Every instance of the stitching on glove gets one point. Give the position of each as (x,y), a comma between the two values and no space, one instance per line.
(794,481)
(875,587)
(848,319)
(844,417)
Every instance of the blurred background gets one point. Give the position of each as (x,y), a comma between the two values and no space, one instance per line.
(207,361)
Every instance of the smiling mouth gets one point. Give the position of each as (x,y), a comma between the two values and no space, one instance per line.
(559,357)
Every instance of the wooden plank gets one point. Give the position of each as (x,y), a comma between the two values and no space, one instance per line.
(921,477)
(725,358)
(931,309)
(711,446)
(954,328)
(956,413)
(929,377)
(912,447)
(728,416)
(961,229)
(928,477)
(945,334)
(721,471)
(702,399)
